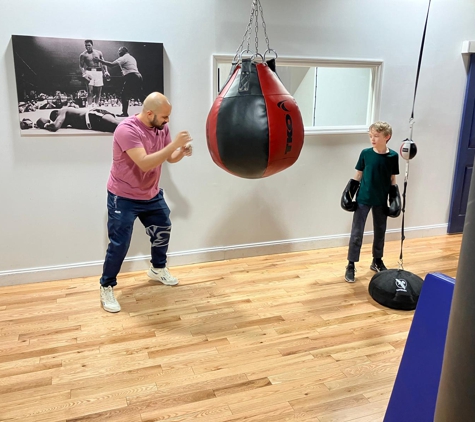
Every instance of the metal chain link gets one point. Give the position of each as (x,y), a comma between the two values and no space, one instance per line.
(257,27)
(256,9)
(247,34)
(250,31)
(264,26)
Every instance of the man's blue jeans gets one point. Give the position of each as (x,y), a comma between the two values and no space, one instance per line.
(122,212)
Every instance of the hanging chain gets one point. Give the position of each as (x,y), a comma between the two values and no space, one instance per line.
(253,12)
(257,28)
(247,34)
(256,9)
(264,26)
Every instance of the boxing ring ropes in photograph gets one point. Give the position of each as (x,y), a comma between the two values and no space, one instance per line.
(84,86)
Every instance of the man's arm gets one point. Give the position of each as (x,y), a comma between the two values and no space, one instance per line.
(177,155)
(393,179)
(147,162)
(82,67)
(81,64)
(54,126)
(106,62)
(104,67)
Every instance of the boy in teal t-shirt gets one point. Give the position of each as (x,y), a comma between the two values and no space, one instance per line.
(376,171)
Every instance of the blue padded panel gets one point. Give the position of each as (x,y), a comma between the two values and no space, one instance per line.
(414,395)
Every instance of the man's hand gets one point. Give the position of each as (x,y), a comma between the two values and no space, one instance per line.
(107,76)
(182,138)
(50,126)
(187,150)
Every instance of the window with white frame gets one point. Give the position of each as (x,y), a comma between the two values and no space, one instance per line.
(334,96)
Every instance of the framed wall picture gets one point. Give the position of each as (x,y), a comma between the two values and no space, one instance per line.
(82,86)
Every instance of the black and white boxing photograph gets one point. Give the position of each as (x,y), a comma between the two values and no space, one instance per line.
(71,86)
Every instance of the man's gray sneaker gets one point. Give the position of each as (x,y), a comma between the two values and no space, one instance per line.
(162,275)
(108,300)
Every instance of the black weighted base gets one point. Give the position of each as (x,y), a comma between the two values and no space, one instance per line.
(396,289)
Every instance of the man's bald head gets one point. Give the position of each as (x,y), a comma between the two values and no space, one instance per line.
(155,101)
(156,110)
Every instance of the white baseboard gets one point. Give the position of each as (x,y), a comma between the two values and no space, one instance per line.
(139,263)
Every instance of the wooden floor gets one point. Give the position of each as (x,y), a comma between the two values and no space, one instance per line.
(273,338)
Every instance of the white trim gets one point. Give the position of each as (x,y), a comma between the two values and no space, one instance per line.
(309,61)
(468,47)
(335,130)
(141,263)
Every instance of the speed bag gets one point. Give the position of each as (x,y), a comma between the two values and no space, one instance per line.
(396,289)
(254,128)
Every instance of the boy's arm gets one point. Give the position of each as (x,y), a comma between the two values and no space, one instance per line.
(359,176)
(393,179)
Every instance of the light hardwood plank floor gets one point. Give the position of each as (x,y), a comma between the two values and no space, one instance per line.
(272,338)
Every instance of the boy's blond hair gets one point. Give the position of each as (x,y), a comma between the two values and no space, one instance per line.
(382,127)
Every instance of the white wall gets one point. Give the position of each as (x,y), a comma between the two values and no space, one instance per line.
(52,190)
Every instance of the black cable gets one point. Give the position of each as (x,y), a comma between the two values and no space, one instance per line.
(420,59)
(411,120)
(403,211)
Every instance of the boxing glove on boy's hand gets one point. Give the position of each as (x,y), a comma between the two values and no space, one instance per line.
(394,199)
(348,198)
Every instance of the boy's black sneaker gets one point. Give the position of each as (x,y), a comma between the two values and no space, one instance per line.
(378,265)
(350,273)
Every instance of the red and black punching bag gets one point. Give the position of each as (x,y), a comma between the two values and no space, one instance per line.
(254,128)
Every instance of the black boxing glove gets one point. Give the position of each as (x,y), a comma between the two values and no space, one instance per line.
(348,198)
(394,199)
(41,122)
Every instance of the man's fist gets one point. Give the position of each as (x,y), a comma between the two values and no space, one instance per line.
(183,138)
(187,149)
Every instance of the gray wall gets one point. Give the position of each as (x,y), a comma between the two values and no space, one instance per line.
(52,190)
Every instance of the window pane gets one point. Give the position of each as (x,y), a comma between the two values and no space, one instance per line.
(329,96)
(342,96)
(301,83)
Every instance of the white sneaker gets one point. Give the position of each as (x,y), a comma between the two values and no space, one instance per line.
(162,275)
(108,300)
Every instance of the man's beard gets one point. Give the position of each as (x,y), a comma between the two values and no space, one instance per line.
(159,127)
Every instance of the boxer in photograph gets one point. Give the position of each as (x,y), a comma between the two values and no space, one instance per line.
(132,78)
(92,71)
(92,119)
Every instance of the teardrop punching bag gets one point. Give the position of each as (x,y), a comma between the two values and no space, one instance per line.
(254,128)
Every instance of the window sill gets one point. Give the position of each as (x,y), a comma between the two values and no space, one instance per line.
(335,130)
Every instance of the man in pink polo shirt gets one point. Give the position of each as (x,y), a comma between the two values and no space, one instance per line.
(141,144)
